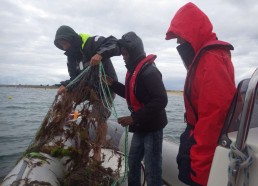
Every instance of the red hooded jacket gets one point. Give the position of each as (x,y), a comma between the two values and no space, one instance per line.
(209,85)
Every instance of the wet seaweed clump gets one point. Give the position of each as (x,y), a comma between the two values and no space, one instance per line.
(93,174)
(64,136)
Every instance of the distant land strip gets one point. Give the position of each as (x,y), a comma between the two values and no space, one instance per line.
(175,92)
(170,92)
(31,86)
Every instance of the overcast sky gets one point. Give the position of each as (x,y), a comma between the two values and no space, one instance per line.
(28,27)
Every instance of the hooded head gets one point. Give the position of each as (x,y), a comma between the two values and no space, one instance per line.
(191,24)
(134,47)
(68,34)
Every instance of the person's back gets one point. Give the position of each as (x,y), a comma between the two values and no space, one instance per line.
(208,92)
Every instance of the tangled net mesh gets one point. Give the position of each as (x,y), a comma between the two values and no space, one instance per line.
(57,128)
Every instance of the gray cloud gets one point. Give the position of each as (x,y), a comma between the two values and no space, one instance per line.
(28,55)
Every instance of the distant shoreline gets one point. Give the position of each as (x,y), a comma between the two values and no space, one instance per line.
(175,92)
(32,86)
(169,92)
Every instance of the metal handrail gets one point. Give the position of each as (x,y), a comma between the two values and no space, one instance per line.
(247,111)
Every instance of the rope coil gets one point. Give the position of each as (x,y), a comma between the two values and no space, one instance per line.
(239,161)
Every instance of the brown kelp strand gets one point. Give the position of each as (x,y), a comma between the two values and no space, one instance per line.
(59,128)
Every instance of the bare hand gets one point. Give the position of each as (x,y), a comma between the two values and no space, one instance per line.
(107,80)
(125,121)
(95,60)
(61,90)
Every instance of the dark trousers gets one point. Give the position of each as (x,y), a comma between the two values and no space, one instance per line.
(147,146)
(183,157)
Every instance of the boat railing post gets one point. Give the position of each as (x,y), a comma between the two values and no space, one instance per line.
(246,117)
(247,112)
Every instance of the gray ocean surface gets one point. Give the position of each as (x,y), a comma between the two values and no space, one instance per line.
(22,111)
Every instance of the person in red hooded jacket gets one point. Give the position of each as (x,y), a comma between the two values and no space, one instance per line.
(208,91)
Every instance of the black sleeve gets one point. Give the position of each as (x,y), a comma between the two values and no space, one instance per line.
(71,70)
(107,47)
(65,83)
(118,88)
(71,66)
(155,90)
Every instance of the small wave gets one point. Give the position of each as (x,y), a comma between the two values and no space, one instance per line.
(8,162)
(13,155)
(14,107)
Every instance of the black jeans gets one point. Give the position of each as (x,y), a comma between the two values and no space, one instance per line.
(183,157)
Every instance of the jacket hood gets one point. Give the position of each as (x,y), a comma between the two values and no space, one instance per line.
(66,33)
(191,24)
(134,46)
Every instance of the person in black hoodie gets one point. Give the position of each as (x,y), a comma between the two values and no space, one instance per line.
(83,50)
(146,98)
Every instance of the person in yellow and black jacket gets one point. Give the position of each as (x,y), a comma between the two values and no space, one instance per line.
(146,98)
(83,50)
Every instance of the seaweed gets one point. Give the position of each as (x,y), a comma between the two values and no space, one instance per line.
(59,127)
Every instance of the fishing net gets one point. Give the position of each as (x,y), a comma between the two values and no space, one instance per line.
(65,133)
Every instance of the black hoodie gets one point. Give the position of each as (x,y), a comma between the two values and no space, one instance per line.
(149,88)
(106,47)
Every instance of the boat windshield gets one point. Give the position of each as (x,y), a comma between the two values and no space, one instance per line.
(233,119)
(254,119)
(234,115)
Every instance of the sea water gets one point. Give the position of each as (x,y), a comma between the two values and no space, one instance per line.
(22,111)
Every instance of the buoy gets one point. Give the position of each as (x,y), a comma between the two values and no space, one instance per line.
(9,97)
